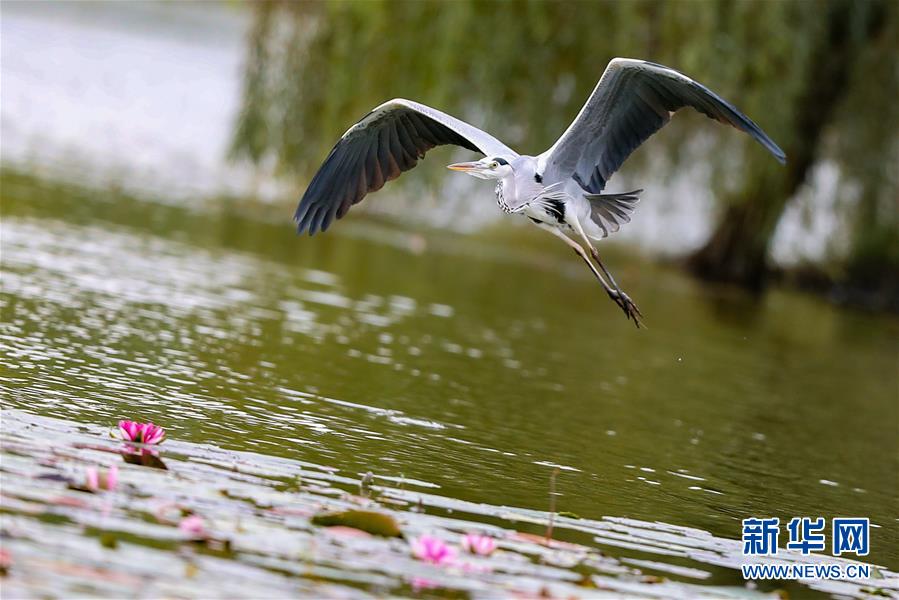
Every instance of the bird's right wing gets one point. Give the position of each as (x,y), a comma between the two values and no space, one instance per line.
(632,100)
(387,141)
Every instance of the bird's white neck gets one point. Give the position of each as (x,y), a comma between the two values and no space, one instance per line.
(507,184)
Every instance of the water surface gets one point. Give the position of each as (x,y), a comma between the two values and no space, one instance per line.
(471,366)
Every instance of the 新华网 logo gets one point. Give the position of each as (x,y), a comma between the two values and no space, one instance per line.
(848,536)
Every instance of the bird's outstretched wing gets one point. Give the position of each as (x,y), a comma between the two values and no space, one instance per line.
(387,141)
(632,100)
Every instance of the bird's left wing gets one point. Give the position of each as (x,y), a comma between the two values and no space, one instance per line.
(387,141)
(632,100)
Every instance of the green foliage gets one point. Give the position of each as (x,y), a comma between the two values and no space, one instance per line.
(313,68)
(867,148)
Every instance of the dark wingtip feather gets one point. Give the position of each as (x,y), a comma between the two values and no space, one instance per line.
(762,138)
(749,126)
(306,224)
(768,143)
(779,154)
(300,215)
(714,106)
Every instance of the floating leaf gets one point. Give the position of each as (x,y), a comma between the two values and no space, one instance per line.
(145,459)
(542,541)
(372,522)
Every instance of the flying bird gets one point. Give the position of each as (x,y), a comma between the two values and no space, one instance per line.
(559,191)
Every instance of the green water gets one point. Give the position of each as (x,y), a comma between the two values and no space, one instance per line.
(472,363)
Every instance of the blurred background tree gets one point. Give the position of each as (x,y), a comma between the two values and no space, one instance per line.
(820,77)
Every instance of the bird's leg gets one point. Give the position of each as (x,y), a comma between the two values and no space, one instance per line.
(623,300)
(580,252)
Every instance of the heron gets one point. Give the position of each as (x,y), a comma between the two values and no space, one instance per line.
(560,190)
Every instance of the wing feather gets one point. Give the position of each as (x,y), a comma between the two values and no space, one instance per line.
(389,140)
(632,101)
(424,130)
(374,178)
(418,144)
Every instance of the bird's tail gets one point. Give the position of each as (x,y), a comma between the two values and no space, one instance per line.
(609,211)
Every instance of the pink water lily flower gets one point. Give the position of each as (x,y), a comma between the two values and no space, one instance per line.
(92,476)
(193,527)
(422,583)
(96,480)
(112,477)
(143,433)
(433,550)
(476,543)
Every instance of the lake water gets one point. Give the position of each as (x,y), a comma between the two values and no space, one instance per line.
(458,369)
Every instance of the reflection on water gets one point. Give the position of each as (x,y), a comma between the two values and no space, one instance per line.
(474,367)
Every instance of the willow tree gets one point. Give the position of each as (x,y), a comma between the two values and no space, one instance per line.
(842,35)
(523,68)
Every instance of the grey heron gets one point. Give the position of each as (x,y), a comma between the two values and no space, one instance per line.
(559,191)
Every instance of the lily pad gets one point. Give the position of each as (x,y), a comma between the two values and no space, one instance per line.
(144,459)
(371,522)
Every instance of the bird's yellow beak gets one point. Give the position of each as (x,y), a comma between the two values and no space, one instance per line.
(464,166)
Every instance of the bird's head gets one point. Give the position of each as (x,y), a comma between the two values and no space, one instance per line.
(490,167)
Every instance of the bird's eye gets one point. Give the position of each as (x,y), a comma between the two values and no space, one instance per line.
(494,165)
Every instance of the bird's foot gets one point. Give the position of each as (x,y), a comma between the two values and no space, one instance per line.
(627,305)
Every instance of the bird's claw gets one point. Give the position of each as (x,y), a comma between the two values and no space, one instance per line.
(627,305)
